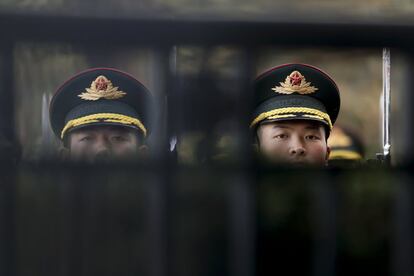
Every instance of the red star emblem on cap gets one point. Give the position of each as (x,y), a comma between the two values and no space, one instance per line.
(295,78)
(101,84)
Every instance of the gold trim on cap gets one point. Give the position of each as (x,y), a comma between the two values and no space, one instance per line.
(281,116)
(344,154)
(104,117)
(313,116)
(288,110)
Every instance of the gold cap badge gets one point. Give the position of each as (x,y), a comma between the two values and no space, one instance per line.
(295,82)
(101,87)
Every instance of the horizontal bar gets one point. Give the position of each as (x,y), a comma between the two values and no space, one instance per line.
(163,30)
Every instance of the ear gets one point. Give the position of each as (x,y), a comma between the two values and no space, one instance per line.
(64,154)
(255,147)
(256,139)
(328,152)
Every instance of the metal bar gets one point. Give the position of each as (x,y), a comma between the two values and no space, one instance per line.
(171,31)
(157,228)
(8,222)
(7,155)
(8,143)
(242,230)
(406,124)
(242,194)
(402,239)
(323,213)
(71,262)
(158,185)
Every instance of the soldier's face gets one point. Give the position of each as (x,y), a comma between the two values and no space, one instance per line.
(102,143)
(295,142)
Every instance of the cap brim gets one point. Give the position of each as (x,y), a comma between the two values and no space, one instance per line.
(102,113)
(103,124)
(291,107)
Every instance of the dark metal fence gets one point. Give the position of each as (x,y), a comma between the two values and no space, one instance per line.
(163,218)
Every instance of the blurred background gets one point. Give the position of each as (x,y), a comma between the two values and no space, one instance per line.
(358,72)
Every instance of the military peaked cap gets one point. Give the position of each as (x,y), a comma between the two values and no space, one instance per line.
(100,96)
(295,91)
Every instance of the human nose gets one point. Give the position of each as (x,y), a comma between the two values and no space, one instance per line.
(297,148)
(102,150)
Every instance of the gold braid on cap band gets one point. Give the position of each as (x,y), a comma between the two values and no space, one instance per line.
(344,154)
(104,117)
(310,112)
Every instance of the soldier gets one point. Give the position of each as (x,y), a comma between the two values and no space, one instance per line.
(296,106)
(346,146)
(101,114)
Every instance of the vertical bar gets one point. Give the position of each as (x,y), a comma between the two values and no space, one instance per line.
(8,142)
(402,241)
(242,230)
(72,217)
(7,155)
(159,180)
(246,104)
(8,221)
(324,211)
(47,146)
(157,227)
(242,234)
(160,79)
(402,246)
(406,124)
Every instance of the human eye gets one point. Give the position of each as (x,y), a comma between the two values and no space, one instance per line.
(119,138)
(280,136)
(86,138)
(312,137)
